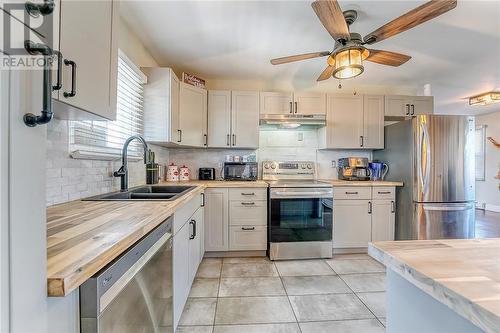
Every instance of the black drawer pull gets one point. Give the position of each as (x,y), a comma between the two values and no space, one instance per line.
(247,229)
(384,192)
(351,193)
(248,203)
(242,193)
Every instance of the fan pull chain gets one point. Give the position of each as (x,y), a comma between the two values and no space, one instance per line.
(340,85)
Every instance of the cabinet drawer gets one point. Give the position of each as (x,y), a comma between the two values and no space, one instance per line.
(247,194)
(248,237)
(384,193)
(248,212)
(355,193)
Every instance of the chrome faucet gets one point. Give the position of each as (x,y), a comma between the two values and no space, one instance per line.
(123,171)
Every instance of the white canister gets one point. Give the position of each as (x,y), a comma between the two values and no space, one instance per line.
(184,173)
(172,173)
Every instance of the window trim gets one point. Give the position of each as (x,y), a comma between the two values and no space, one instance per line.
(483,145)
(77,151)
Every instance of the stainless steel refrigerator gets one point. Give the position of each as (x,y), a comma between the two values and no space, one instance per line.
(434,157)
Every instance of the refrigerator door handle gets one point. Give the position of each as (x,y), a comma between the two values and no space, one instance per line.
(425,156)
(447,207)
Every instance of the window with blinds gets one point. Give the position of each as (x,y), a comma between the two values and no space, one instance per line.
(104,139)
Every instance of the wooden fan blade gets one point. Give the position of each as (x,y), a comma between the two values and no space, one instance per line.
(411,19)
(327,73)
(387,58)
(331,16)
(299,57)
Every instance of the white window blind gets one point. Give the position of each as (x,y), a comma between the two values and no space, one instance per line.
(104,139)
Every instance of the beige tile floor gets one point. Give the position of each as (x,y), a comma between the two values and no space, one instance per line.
(256,295)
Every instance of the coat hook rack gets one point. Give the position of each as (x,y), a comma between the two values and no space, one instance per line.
(494,142)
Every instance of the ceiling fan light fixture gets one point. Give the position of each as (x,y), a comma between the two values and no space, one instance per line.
(485,99)
(349,62)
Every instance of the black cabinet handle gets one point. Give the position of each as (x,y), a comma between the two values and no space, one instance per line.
(193,223)
(205,139)
(369,207)
(351,192)
(228,140)
(202,199)
(291,107)
(179,132)
(248,229)
(412,109)
(72,93)
(361,141)
(58,84)
(384,192)
(407,109)
(296,107)
(248,203)
(234,139)
(392,207)
(243,193)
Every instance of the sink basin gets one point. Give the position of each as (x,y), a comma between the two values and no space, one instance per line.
(145,193)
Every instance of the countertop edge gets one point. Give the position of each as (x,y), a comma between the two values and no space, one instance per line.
(473,312)
(61,286)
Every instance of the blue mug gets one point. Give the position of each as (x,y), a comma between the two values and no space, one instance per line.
(378,170)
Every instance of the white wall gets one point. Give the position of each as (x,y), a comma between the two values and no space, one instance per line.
(488,191)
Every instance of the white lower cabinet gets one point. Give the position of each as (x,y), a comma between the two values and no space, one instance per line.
(187,253)
(236,219)
(362,215)
(383,220)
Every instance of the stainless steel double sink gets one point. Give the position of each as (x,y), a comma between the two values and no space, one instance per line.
(145,193)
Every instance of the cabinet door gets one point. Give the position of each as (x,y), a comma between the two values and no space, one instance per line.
(193,115)
(351,223)
(397,106)
(181,283)
(344,121)
(194,252)
(219,118)
(383,220)
(245,119)
(309,103)
(373,124)
(216,220)
(175,117)
(422,105)
(276,103)
(93,47)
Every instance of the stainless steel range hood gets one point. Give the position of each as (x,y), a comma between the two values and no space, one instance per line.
(292,121)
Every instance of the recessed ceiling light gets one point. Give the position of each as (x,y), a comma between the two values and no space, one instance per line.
(485,99)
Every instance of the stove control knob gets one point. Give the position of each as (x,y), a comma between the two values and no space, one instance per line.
(309,166)
(266,165)
(273,166)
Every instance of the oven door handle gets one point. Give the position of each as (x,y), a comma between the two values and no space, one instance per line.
(303,194)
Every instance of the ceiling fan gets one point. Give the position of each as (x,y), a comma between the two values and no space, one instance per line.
(346,59)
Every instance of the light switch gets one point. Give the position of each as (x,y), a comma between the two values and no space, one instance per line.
(334,164)
(300,136)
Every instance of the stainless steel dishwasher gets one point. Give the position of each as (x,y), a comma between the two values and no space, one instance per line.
(133,293)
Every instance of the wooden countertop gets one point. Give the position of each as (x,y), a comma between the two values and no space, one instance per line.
(85,236)
(463,274)
(220,183)
(354,183)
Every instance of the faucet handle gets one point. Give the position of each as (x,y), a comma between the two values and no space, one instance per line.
(121,172)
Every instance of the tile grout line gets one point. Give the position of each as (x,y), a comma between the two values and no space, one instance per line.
(218,289)
(366,306)
(287,297)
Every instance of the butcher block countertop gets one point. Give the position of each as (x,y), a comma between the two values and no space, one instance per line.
(375,183)
(84,236)
(463,274)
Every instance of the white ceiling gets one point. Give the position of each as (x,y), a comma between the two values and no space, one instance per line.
(458,53)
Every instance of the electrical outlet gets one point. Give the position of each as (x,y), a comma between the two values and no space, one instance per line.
(334,164)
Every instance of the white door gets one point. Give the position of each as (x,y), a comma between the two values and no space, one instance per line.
(92,46)
(351,223)
(422,105)
(373,124)
(344,121)
(397,106)
(193,115)
(383,220)
(276,103)
(245,119)
(219,118)
(181,283)
(309,103)
(216,219)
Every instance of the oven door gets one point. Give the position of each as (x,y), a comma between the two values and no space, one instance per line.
(300,215)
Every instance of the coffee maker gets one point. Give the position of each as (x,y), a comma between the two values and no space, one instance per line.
(353,168)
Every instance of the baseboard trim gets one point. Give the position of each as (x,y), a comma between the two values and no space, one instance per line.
(492,208)
(232,254)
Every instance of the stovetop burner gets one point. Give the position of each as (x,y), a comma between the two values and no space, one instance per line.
(297,183)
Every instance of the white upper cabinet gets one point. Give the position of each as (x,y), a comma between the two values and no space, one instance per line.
(373,121)
(219,118)
(309,103)
(193,116)
(401,106)
(245,119)
(276,103)
(161,106)
(353,122)
(90,51)
(233,119)
(292,103)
